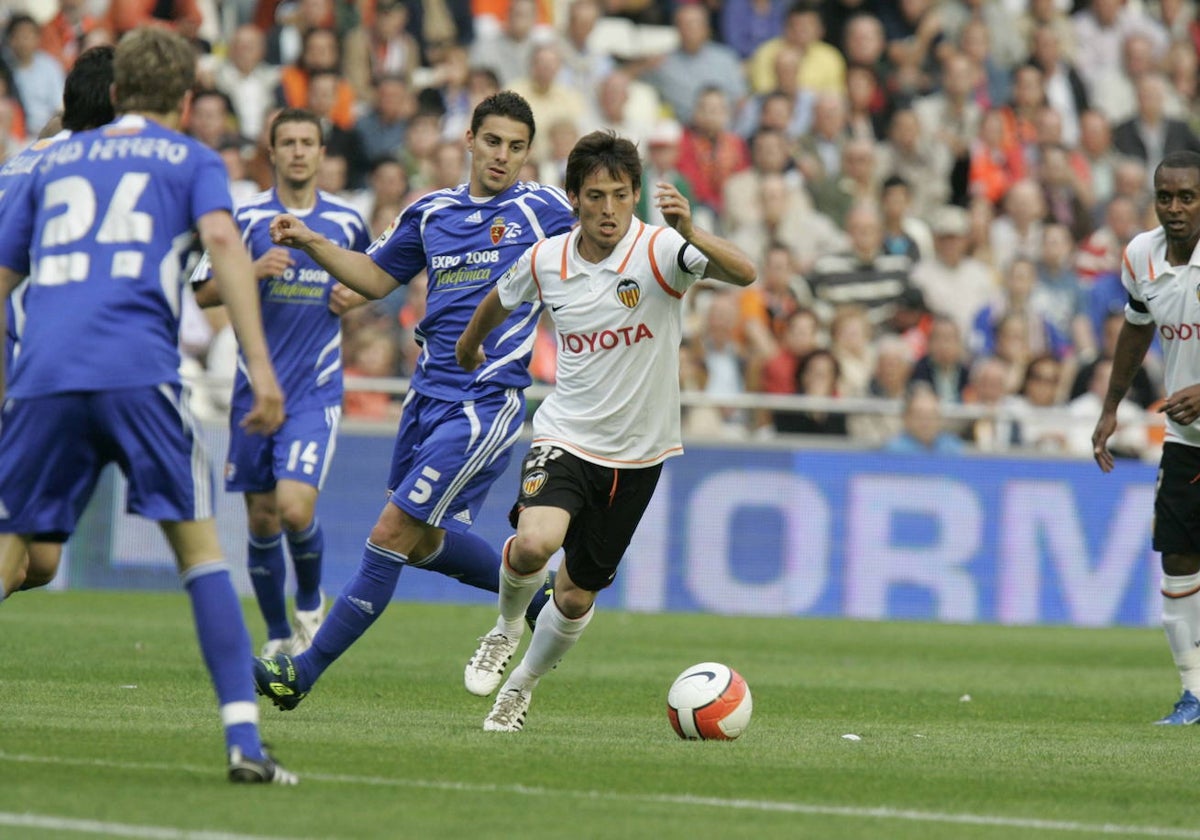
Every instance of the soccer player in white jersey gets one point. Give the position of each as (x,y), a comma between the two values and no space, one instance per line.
(86,104)
(281,474)
(1161,273)
(457,430)
(614,287)
(100,230)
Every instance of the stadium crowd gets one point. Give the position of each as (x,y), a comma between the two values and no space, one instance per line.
(934,192)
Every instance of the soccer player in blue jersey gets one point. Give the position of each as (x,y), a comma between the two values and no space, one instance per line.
(100,230)
(457,430)
(282,474)
(86,104)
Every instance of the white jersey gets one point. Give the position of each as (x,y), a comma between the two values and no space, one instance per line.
(619,325)
(1168,296)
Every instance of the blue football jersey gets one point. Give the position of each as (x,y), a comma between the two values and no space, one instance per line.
(14,179)
(101,232)
(466,244)
(304,337)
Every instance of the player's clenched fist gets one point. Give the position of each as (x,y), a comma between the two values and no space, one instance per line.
(287,230)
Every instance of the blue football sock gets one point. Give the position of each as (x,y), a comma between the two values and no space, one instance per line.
(363,600)
(268,576)
(225,645)
(307,548)
(468,558)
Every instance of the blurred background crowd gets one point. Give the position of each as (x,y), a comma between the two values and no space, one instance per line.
(938,194)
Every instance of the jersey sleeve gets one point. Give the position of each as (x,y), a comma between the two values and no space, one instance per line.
(560,216)
(16,223)
(210,187)
(1136,310)
(519,284)
(679,263)
(400,250)
(202,273)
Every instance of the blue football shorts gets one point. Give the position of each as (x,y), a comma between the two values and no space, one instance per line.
(55,447)
(448,455)
(300,450)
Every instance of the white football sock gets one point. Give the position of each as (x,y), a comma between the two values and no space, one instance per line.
(1181,621)
(554,635)
(516,593)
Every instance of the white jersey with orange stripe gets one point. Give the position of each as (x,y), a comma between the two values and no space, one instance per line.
(619,325)
(1169,297)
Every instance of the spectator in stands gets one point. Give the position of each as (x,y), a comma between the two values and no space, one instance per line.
(1144,390)
(790,219)
(1100,253)
(1065,194)
(954,284)
(324,87)
(993,83)
(770,302)
(851,336)
(944,366)
(126,15)
(1048,13)
(421,143)
(1059,295)
(384,49)
(387,186)
(372,353)
(903,232)
(786,107)
(819,153)
(725,357)
(1130,439)
(1016,301)
(1018,233)
(1101,28)
(924,167)
(63,33)
(866,106)
(924,431)
(915,42)
(889,381)
(822,68)
(1095,145)
(864,274)
(1041,389)
(1116,93)
(287,31)
(583,67)
(320,53)
(211,120)
(552,101)
(698,65)
(949,119)
(988,388)
(709,152)
(246,78)
(627,107)
(1064,88)
(857,182)
(1151,134)
(662,164)
(508,51)
(382,128)
(37,77)
(996,162)
(817,375)
(777,374)
(769,155)
(746,24)
(1009,45)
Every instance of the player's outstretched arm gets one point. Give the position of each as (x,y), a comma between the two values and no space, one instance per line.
(488,315)
(726,262)
(233,274)
(1132,344)
(353,268)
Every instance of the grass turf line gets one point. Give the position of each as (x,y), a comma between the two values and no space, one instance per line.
(389,744)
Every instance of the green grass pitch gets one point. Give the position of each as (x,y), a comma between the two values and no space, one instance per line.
(109,729)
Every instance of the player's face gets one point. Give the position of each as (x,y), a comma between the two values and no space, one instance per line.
(498,151)
(297,153)
(1177,205)
(605,205)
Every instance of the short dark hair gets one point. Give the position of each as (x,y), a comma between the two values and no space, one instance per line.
(87,94)
(296,115)
(504,104)
(602,150)
(894,180)
(1182,159)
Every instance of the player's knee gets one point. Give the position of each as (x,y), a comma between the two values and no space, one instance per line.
(529,552)
(1180,565)
(262,518)
(295,517)
(574,602)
